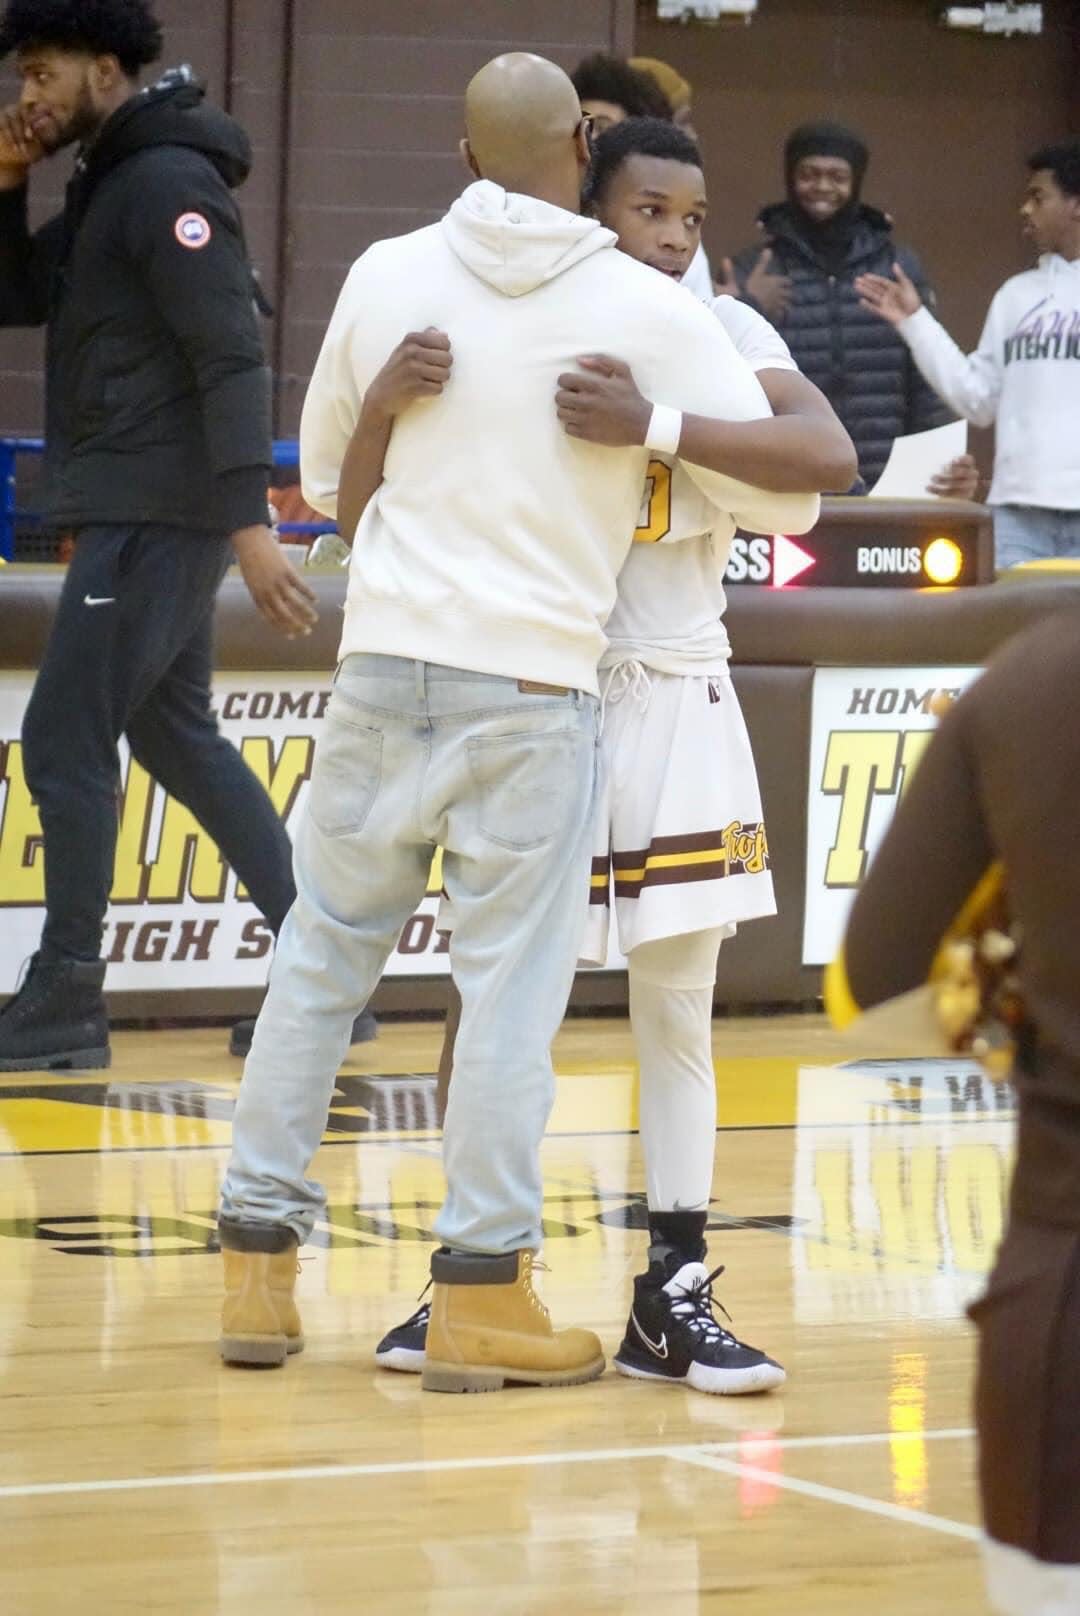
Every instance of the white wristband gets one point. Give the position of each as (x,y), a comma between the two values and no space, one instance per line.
(665,429)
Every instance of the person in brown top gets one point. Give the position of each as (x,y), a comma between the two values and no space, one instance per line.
(1000,783)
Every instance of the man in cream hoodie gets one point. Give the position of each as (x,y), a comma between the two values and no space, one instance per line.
(465,711)
(1025,374)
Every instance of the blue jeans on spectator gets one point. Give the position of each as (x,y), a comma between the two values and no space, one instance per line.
(414,756)
(1034,533)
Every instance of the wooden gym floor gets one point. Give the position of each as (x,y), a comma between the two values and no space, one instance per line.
(856,1209)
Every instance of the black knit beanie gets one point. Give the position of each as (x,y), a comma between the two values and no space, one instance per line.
(826,140)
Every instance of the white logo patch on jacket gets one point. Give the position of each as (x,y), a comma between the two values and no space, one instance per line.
(192,230)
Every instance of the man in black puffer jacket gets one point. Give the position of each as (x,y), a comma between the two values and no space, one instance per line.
(802,279)
(158,452)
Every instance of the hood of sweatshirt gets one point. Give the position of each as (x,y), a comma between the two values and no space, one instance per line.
(171,112)
(517,243)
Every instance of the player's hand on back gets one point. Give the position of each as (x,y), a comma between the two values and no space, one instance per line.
(274,584)
(419,367)
(601,403)
(18,147)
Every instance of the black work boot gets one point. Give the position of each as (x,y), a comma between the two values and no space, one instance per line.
(56,1021)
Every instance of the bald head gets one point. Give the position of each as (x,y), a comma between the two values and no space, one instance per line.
(523,128)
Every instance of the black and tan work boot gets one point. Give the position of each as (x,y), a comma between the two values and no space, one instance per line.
(489,1329)
(260,1324)
(56,1021)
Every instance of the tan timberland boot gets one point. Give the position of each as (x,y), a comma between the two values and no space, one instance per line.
(259,1320)
(489,1329)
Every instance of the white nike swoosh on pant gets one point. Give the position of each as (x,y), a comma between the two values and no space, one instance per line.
(99,600)
(657,1348)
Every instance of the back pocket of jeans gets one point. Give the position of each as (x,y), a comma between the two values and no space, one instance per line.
(525,785)
(346,776)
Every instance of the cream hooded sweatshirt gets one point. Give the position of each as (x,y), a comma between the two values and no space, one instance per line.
(495,539)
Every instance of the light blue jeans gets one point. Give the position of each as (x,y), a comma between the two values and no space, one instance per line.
(411,757)
(1032,533)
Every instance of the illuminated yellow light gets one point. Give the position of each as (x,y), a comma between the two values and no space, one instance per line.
(943,561)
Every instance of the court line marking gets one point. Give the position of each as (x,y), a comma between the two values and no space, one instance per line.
(689,1453)
(833,1495)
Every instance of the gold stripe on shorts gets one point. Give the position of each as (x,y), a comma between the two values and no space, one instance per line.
(738,849)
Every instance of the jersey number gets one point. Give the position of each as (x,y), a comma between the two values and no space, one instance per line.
(654,522)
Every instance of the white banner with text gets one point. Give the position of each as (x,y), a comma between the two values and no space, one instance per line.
(869,728)
(176,918)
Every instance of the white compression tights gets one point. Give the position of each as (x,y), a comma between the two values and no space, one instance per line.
(671,991)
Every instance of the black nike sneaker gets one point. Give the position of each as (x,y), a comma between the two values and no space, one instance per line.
(673,1335)
(404,1347)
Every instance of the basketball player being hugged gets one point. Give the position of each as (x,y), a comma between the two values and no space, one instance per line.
(680,825)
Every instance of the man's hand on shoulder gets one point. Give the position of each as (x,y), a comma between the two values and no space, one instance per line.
(18,148)
(274,584)
(602,404)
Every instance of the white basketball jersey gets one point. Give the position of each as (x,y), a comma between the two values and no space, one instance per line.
(670,606)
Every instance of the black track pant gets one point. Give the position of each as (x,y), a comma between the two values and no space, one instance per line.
(131,653)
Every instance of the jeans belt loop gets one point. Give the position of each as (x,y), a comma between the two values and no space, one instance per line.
(420,669)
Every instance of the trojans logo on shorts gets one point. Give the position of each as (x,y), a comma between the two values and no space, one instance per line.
(192,230)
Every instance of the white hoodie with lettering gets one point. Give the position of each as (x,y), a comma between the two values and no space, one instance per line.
(494,541)
(1025,376)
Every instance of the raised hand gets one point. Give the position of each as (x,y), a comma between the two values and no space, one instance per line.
(893,300)
(770,290)
(18,147)
(602,405)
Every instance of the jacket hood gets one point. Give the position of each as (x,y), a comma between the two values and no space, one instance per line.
(517,243)
(172,112)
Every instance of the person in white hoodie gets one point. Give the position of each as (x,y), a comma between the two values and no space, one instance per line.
(1024,377)
(465,712)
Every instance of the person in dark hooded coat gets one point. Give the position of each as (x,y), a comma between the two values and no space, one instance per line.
(802,279)
(158,455)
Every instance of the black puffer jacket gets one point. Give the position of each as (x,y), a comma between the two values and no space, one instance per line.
(860,363)
(157,392)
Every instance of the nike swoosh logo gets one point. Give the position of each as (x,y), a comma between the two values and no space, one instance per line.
(99,600)
(657,1348)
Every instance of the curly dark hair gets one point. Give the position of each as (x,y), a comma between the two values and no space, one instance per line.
(1063,162)
(635,137)
(126,29)
(608,78)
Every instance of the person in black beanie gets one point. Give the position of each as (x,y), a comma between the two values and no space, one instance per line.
(802,279)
